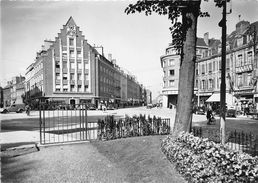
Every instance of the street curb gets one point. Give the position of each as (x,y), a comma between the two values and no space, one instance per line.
(22,147)
(61,144)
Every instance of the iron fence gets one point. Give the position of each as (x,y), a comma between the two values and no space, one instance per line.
(112,128)
(65,123)
(235,140)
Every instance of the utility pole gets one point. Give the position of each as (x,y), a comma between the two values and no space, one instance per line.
(223,73)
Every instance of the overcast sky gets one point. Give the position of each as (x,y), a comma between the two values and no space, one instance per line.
(135,41)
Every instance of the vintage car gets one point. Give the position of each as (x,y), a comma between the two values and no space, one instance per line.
(18,108)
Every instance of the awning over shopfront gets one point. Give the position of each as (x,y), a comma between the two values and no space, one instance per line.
(230,99)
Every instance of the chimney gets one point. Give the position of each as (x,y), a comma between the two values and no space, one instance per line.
(206,38)
(110,57)
(114,61)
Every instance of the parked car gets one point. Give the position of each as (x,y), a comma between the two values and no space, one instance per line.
(110,107)
(92,107)
(149,106)
(199,110)
(18,108)
(231,113)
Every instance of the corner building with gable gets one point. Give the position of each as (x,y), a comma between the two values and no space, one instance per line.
(69,70)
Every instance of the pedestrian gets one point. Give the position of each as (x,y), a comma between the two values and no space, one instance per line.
(209,116)
(27,108)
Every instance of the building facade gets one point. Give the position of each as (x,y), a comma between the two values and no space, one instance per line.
(69,70)
(241,69)
(170,63)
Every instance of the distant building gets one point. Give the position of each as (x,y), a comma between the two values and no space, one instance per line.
(13,92)
(149,96)
(1,98)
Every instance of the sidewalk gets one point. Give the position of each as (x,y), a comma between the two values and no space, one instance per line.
(19,136)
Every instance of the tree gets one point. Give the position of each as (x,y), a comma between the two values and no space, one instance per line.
(184,40)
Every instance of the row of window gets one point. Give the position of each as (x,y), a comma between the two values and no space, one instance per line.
(106,71)
(169,62)
(72,76)
(169,83)
(241,62)
(72,88)
(243,79)
(72,53)
(171,72)
(209,67)
(72,65)
(106,89)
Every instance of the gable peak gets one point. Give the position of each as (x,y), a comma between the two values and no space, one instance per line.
(70,22)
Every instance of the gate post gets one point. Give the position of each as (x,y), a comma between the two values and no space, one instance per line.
(40,123)
(86,122)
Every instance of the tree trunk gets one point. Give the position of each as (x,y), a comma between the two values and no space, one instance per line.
(183,118)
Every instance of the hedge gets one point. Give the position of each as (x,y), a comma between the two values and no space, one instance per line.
(200,160)
(111,128)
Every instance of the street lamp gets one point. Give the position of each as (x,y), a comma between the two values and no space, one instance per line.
(223,24)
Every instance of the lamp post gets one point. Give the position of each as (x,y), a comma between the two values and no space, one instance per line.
(222,24)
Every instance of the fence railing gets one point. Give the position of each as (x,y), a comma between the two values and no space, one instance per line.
(111,128)
(235,140)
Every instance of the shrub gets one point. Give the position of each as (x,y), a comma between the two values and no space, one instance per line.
(201,160)
(110,128)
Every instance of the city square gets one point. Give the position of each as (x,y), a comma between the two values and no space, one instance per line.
(110,91)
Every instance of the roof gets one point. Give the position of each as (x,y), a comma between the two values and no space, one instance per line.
(200,42)
(70,21)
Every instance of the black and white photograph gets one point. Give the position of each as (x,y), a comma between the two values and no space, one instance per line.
(129,91)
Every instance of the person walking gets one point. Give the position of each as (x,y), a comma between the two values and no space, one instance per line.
(27,108)
(209,116)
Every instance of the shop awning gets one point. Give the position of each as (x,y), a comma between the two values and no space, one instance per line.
(230,99)
(214,98)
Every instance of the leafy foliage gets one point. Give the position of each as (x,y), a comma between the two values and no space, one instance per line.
(200,160)
(174,9)
(111,128)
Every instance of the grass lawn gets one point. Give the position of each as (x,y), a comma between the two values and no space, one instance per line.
(140,158)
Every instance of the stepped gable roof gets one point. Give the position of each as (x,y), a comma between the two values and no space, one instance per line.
(70,21)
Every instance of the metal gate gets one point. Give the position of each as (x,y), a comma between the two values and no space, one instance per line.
(65,123)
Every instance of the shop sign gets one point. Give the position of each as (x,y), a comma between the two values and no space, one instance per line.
(244,68)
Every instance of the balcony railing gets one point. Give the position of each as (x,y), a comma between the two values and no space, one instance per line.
(86,71)
(72,70)
(79,71)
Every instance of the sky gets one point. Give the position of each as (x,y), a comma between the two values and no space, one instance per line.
(136,41)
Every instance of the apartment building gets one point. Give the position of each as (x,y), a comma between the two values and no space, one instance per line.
(170,63)
(70,70)
(241,68)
